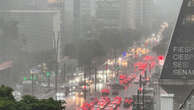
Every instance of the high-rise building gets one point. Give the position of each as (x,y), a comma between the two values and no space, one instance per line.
(177,76)
(120,14)
(82,17)
(35,26)
(143,13)
(108,13)
(23,4)
(69,20)
(127,14)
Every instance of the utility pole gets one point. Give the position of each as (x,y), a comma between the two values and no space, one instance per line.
(106,72)
(32,84)
(85,69)
(57,45)
(95,70)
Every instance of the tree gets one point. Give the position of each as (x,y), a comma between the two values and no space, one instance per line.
(7,102)
(30,102)
(6,93)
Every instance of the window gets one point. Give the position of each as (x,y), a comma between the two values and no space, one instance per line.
(191,3)
(189,19)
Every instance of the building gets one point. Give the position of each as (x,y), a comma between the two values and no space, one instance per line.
(144,14)
(108,13)
(82,18)
(128,14)
(120,14)
(177,76)
(36,27)
(23,4)
(37,31)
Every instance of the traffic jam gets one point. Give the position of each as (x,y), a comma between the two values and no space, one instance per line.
(113,103)
(111,99)
(144,63)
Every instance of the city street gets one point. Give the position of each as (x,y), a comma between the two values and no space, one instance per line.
(96,54)
(124,71)
(77,101)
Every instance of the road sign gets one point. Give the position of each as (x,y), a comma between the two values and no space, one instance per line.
(35,71)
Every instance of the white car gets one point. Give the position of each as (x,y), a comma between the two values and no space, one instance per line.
(43,85)
(136,81)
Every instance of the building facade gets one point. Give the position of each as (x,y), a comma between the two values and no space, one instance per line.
(35,28)
(144,14)
(108,13)
(82,17)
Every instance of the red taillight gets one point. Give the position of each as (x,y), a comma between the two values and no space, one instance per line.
(160,57)
(140,89)
(84,87)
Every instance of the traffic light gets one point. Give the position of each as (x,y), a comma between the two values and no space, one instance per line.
(30,77)
(44,67)
(33,77)
(25,78)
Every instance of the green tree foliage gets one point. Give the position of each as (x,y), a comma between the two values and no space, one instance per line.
(6,93)
(7,102)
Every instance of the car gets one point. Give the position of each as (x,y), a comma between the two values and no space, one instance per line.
(115,92)
(43,85)
(105,92)
(93,102)
(107,99)
(111,107)
(134,75)
(125,81)
(81,94)
(103,102)
(117,86)
(136,81)
(128,101)
(131,78)
(85,106)
(117,101)
(118,98)
(122,77)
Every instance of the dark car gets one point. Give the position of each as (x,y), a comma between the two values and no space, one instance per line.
(128,101)
(117,86)
(115,92)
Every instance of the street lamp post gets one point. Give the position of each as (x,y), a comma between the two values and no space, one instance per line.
(95,79)
(32,84)
(57,44)
(106,72)
(84,82)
